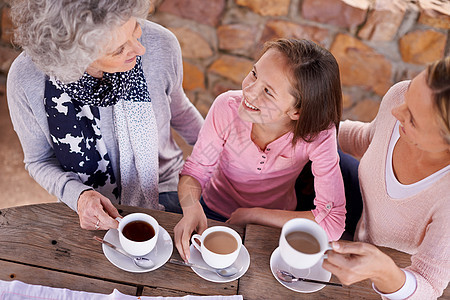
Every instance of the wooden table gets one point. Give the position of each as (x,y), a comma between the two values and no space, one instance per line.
(44,244)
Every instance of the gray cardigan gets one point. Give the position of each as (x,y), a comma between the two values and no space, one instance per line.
(163,68)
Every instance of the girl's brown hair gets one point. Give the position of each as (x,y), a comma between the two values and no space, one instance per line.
(316,86)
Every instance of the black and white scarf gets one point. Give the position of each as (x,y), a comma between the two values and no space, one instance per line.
(73,118)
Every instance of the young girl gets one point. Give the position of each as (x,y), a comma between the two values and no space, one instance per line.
(255,142)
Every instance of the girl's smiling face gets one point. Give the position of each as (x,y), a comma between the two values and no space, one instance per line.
(121,51)
(266,90)
(418,117)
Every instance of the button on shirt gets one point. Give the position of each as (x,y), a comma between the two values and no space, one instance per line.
(234,172)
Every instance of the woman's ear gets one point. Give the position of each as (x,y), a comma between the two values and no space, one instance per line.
(294,114)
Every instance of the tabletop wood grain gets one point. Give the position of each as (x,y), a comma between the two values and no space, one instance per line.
(44,244)
(48,236)
(259,282)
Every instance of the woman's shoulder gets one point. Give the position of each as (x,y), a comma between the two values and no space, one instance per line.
(395,95)
(24,73)
(157,36)
(24,66)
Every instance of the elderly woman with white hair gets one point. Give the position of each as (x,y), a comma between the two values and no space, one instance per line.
(93,98)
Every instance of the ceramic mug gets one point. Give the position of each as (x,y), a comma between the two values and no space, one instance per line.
(132,241)
(218,238)
(294,257)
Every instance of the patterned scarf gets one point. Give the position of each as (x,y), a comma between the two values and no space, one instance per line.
(73,117)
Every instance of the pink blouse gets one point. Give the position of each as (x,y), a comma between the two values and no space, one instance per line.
(234,172)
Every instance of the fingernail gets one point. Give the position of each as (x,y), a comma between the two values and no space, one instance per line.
(336,245)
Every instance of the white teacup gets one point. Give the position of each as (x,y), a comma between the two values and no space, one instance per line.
(310,240)
(138,239)
(219,246)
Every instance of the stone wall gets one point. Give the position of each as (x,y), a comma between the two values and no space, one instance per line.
(376,45)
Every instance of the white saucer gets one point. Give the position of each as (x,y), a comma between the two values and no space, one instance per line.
(242,263)
(159,255)
(315,272)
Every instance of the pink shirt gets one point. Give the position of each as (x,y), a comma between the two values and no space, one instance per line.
(234,172)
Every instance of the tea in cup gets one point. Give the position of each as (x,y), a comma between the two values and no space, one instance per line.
(219,246)
(138,233)
(303,243)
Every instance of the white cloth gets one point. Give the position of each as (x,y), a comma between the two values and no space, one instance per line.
(17,290)
(138,153)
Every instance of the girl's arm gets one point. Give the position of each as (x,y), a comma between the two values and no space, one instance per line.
(265,216)
(330,198)
(198,170)
(328,184)
(194,219)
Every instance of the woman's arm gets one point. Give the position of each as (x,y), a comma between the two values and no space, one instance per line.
(352,262)
(355,137)
(25,90)
(431,262)
(186,119)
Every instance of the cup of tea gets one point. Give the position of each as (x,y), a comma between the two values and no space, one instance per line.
(302,243)
(219,246)
(138,233)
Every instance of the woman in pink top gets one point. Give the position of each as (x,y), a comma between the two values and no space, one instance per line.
(255,142)
(404,176)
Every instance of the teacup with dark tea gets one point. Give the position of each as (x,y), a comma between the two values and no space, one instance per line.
(138,233)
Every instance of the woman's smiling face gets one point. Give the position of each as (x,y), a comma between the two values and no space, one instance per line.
(266,90)
(418,117)
(121,51)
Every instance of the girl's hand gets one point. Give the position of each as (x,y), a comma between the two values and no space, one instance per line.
(241,216)
(194,219)
(353,262)
(96,212)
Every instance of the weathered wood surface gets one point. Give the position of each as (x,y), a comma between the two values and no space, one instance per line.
(259,283)
(48,236)
(44,244)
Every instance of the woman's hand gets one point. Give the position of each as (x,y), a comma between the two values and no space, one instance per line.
(353,262)
(194,219)
(96,212)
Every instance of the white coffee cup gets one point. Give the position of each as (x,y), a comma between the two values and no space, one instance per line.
(295,258)
(213,259)
(137,248)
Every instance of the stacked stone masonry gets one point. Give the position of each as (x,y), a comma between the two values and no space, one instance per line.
(375,42)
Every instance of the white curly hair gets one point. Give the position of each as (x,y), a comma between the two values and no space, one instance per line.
(63,37)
